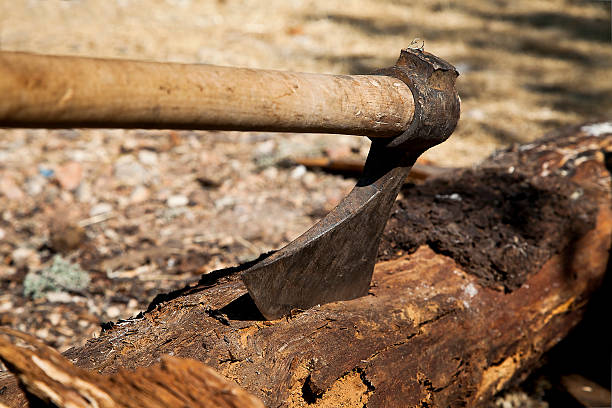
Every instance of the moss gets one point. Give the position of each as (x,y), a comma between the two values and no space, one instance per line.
(61,275)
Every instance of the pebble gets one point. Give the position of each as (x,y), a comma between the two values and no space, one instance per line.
(35,185)
(42,333)
(84,193)
(139,194)
(9,188)
(265,148)
(25,257)
(271,173)
(61,297)
(7,271)
(111,234)
(177,201)
(113,312)
(225,202)
(6,306)
(147,157)
(69,175)
(130,172)
(129,145)
(310,180)
(298,172)
(54,318)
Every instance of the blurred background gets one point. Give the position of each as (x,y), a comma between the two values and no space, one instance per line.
(526,66)
(125,215)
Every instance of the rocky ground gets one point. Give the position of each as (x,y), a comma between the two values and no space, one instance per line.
(125,215)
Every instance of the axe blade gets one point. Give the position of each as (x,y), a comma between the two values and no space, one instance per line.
(333,260)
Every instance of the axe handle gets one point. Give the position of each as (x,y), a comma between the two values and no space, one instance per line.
(61,91)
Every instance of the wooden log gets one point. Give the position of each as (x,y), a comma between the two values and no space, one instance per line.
(175,382)
(461,305)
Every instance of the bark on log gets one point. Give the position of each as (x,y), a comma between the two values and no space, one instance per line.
(479,275)
(51,378)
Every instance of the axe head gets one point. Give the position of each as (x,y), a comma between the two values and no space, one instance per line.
(334,259)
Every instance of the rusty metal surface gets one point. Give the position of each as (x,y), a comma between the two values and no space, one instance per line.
(334,260)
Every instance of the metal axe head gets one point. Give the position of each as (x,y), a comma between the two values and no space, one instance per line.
(334,259)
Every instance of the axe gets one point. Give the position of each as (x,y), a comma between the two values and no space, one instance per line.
(404,110)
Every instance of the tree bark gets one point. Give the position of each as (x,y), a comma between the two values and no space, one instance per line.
(480,274)
(175,382)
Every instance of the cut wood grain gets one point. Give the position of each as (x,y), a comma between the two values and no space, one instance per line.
(441,325)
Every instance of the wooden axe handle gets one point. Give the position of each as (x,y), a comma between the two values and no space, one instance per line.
(60,91)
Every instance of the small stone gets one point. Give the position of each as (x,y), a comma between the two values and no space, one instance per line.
(25,257)
(9,188)
(265,153)
(35,185)
(130,172)
(298,172)
(147,157)
(225,202)
(2,234)
(100,208)
(42,333)
(177,201)
(60,297)
(139,194)
(123,202)
(129,145)
(6,306)
(309,180)
(84,193)
(54,318)
(82,155)
(226,241)
(271,173)
(69,175)
(265,148)
(7,272)
(576,194)
(113,312)
(111,234)
(66,196)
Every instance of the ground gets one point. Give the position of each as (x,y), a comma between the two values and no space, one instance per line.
(144,212)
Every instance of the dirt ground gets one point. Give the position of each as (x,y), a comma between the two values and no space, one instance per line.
(144,212)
